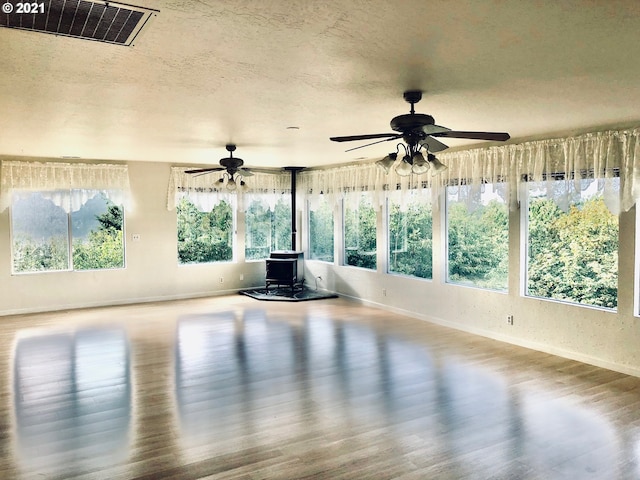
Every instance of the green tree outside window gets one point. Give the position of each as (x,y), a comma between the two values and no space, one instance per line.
(411,236)
(360,231)
(46,238)
(104,247)
(572,256)
(204,237)
(321,231)
(478,236)
(267,230)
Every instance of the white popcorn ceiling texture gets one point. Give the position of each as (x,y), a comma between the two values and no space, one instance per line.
(205,73)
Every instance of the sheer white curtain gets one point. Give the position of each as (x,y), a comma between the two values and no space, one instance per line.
(68,185)
(404,198)
(601,155)
(204,191)
(268,200)
(334,183)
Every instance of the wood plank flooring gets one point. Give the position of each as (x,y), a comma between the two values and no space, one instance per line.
(232,388)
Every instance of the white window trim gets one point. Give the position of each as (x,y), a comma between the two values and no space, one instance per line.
(70,266)
(524,267)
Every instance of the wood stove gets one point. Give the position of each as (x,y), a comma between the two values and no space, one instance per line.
(285,267)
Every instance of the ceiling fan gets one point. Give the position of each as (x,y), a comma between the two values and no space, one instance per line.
(418,131)
(233,169)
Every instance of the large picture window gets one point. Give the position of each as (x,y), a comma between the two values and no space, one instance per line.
(478,236)
(410,223)
(48,236)
(572,243)
(320,230)
(359,231)
(205,236)
(268,225)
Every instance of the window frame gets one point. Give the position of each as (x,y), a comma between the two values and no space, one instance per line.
(333,237)
(387,231)
(445,236)
(233,202)
(344,263)
(247,231)
(69,238)
(405,241)
(272,232)
(524,248)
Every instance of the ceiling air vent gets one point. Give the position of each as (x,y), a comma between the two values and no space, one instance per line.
(101,21)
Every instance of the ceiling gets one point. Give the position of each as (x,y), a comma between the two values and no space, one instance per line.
(209,72)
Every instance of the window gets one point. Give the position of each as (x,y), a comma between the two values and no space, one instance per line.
(321,230)
(46,237)
(205,237)
(268,225)
(572,243)
(359,231)
(478,236)
(410,224)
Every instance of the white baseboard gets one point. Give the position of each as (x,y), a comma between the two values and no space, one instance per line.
(119,302)
(540,347)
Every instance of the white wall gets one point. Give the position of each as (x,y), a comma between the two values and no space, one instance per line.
(608,339)
(604,338)
(152,271)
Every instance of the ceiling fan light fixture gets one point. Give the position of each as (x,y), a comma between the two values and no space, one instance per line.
(387,162)
(420,165)
(231,184)
(404,167)
(436,165)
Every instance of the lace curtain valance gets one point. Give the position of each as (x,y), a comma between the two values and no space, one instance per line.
(602,155)
(69,185)
(333,183)
(269,200)
(204,191)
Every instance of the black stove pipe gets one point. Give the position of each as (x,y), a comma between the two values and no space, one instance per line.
(294,229)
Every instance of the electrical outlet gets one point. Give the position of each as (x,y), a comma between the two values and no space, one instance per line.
(135,237)
(510,319)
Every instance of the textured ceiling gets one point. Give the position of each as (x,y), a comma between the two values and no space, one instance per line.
(205,73)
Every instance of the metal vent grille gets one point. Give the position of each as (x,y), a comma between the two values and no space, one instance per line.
(101,21)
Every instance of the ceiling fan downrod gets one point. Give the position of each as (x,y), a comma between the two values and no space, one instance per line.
(412,97)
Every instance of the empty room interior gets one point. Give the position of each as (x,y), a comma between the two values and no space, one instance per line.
(296,239)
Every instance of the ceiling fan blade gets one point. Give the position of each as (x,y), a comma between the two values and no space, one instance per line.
(433,145)
(253,170)
(363,137)
(245,173)
(200,174)
(496,136)
(373,143)
(431,129)
(204,170)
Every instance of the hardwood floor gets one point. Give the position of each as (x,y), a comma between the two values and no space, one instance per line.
(232,388)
